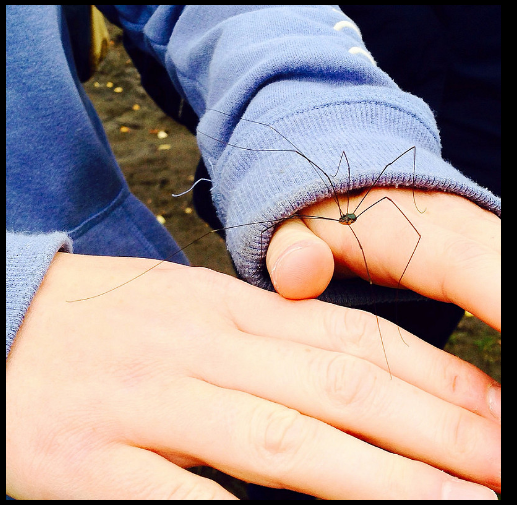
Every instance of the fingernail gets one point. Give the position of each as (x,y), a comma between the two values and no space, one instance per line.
(287,252)
(461,490)
(494,400)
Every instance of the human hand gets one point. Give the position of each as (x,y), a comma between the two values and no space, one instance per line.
(458,258)
(115,396)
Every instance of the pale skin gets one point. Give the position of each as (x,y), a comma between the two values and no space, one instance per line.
(115,396)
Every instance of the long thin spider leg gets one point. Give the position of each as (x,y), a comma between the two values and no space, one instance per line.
(272,224)
(294,216)
(398,287)
(407,219)
(172,256)
(319,170)
(343,155)
(413,148)
(374,305)
(296,150)
(263,124)
(145,271)
(324,218)
(303,216)
(348,181)
(334,192)
(414,170)
(410,258)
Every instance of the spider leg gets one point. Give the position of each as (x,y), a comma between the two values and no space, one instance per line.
(373,300)
(413,148)
(410,258)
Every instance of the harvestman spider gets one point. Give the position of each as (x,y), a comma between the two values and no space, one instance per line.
(345,217)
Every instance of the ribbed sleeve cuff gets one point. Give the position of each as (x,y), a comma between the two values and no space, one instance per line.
(267,178)
(28,258)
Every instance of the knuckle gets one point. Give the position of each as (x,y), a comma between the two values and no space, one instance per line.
(395,477)
(350,330)
(460,382)
(201,489)
(282,432)
(278,435)
(459,440)
(462,254)
(455,376)
(346,381)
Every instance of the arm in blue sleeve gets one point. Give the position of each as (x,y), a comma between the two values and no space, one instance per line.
(27,260)
(305,71)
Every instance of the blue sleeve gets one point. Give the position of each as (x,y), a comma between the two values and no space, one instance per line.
(305,71)
(27,260)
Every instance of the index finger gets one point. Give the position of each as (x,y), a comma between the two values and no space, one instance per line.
(451,267)
(461,244)
(441,254)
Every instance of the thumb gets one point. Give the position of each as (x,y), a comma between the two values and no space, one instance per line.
(300,264)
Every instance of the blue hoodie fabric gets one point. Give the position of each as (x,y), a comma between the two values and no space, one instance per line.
(304,70)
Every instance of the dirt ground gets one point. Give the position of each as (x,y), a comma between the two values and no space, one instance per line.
(159,157)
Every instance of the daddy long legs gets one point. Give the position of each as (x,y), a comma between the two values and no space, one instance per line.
(348,215)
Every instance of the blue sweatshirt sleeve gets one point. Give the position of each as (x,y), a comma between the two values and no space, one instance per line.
(28,257)
(305,72)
